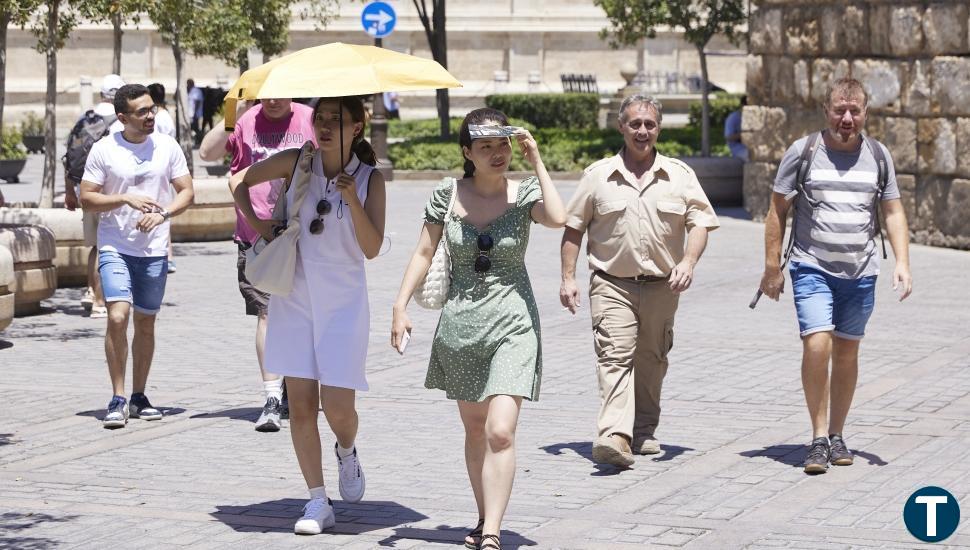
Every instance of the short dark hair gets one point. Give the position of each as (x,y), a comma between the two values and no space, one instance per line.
(157,91)
(125,94)
(846,87)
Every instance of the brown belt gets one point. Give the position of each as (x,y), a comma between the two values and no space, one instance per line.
(637,279)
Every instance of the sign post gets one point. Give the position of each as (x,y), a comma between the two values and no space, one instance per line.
(378,20)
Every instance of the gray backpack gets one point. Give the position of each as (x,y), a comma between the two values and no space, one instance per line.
(88,130)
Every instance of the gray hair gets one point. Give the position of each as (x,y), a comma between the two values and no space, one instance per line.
(641,98)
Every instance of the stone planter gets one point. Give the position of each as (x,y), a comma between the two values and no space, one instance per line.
(34,144)
(720,177)
(10,170)
(216,170)
(6,287)
(71,258)
(35,277)
(211,218)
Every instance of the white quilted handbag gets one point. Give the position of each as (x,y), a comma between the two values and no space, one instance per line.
(432,291)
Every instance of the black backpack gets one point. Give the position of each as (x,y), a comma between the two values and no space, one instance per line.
(88,130)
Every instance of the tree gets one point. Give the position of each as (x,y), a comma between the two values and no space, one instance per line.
(52,24)
(434,29)
(701,20)
(269,28)
(196,27)
(16,12)
(118,12)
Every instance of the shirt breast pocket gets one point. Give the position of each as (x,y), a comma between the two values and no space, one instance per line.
(612,214)
(671,215)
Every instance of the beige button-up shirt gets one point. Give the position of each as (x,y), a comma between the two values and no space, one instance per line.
(638,227)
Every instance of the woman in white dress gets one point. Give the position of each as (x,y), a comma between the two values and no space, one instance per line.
(317,335)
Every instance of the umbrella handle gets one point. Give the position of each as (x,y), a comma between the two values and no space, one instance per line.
(229,113)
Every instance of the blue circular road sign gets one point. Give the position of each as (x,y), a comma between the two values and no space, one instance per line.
(931,514)
(378,19)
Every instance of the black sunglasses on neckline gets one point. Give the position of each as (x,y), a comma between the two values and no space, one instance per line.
(485,243)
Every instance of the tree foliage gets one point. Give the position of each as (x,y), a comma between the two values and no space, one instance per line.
(12,12)
(433,22)
(116,12)
(699,20)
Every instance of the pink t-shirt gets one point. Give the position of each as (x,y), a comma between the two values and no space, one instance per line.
(256,138)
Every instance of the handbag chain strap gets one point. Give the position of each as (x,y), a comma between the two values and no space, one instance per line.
(451,204)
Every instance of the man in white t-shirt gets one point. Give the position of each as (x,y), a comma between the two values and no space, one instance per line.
(129,179)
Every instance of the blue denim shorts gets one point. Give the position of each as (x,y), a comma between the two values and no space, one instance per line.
(136,280)
(825,303)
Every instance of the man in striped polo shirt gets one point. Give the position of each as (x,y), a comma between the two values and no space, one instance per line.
(834,262)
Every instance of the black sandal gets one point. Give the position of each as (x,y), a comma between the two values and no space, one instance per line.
(476,535)
(492,542)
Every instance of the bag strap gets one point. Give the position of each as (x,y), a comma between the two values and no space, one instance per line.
(883,171)
(280,212)
(451,205)
(801,176)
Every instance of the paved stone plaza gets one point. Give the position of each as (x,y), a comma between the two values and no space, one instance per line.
(733,429)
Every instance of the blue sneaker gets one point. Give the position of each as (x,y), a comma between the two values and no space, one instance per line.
(141,408)
(117,414)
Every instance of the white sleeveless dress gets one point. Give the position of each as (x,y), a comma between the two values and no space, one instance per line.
(319,331)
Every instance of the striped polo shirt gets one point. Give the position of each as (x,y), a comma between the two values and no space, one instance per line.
(836,216)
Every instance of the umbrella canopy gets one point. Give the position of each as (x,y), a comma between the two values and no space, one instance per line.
(336,70)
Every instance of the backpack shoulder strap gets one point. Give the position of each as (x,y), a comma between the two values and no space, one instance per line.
(801,176)
(882,168)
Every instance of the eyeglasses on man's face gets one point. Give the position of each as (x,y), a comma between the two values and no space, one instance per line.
(143,112)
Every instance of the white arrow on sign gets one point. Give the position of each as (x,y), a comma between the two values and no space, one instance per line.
(382,18)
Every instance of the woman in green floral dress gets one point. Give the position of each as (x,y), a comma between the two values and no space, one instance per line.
(486,352)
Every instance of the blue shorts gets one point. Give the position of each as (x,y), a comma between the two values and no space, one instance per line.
(826,303)
(136,280)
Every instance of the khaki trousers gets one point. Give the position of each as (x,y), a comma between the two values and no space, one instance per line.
(633,330)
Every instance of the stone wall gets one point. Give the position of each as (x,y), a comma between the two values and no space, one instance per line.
(914,60)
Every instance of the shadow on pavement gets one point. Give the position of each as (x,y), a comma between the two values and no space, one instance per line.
(11,522)
(5,344)
(670,452)
(279,516)
(5,439)
(794,455)
(166,411)
(249,414)
(448,534)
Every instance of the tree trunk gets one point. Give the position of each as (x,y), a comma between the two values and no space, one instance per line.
(116,59)
(242,59)
(181,97)
(705,106)
(50,122)
(4,21)
(440,54)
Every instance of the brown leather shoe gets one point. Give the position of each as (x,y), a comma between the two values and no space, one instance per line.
(646,445)
(613,449)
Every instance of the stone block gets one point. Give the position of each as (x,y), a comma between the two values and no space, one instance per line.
(802,32)
(963,147)
(766,28)
(755,81)
(801,122)
(917,92)
(945,28)
(825,71)
(906,30)
(802,81)
(937,146)
(779,75)
(941,204)
(952,219)
(876,128)
(951,93)
(831,35)
(907,195)
(759,177)
(899,135)
(35,277)
(752,118)
(880,38)
(930,192)
(767,143)
(844,30)
(7,279)
(883,83)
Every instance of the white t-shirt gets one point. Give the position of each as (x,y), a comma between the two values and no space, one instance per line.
(164,123)
(118,166)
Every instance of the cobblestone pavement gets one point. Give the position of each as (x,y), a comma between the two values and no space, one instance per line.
(733,428)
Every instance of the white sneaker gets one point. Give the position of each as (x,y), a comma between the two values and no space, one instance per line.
(352,483)
(269,420)
(317,516)
(87,300)
(117,414)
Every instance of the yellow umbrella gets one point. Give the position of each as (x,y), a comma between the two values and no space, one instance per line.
(336,70)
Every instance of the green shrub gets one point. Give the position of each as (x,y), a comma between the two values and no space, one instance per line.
(32,125)
(721,106)
(549,110)
(11,147)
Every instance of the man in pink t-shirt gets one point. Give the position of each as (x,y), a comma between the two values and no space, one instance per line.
(268,127)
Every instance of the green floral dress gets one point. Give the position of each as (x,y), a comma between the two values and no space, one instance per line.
(487,341)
